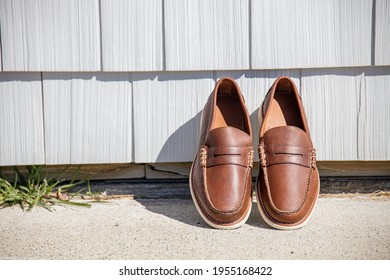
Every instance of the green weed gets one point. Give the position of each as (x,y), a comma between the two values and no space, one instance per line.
(35,189)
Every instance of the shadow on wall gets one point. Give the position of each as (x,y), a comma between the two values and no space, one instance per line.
(20,76)
(181,145)
(255,131)
(88,76)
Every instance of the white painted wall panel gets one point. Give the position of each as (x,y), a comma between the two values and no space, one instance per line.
(93,122)
(382,32)
(311,33)
(57,96)
(206,34)
(167,110)
(132,35)
(21,119)
(254,86)
(374,115)
(46,35)
(1,64)
(331,98)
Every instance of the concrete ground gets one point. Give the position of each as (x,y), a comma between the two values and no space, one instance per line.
(341,228)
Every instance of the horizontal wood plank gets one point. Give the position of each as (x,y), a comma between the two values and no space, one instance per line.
(88,118)
(311,33)
(174,170)
(179,171)
(206,34)
(21,119)
(353,168)
(132,35)
(92,172)
(45,35)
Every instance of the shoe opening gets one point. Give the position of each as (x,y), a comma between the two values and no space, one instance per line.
(229,109)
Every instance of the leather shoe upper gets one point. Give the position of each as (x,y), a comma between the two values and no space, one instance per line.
(220,178)
(288,182)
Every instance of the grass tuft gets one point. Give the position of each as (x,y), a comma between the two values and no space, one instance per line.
(35,189)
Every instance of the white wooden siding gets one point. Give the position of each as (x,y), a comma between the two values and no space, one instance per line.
(171,53)
(382,32)
(206,34)
(88,117)
(348,112)
(58,117)
(311,33)
(46,35)
(332,102)
(1,63)
(374,116)
(132,35)
(167,110)
(21,119)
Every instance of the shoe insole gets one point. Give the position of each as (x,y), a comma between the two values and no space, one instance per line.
(229,112)
(284,111)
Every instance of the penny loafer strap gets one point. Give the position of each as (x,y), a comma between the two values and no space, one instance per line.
(226,155)
(278,154)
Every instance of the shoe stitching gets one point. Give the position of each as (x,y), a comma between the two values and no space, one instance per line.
(206,214)
(272,218)
(208,200)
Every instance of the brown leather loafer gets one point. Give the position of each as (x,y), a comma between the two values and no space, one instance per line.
(288,183)
(220,178)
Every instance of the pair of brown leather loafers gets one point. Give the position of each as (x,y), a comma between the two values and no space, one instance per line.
(287,186)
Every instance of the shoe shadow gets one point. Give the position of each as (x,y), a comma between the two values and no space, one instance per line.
(182,143)
(184,211)
(255,218)
(181,210)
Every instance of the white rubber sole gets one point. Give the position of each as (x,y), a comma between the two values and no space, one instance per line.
(207,220)
(277,226)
